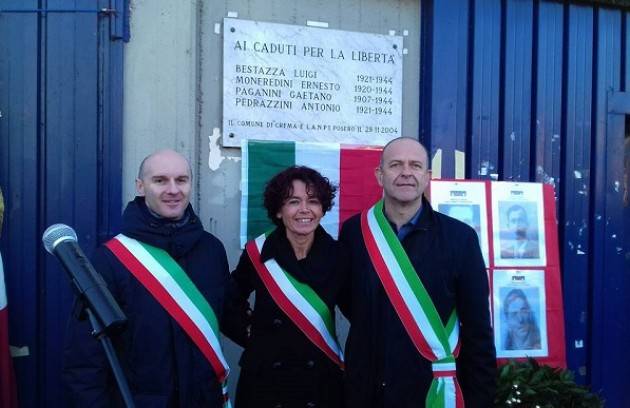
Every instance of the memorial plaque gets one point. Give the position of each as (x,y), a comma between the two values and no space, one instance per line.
(285,82)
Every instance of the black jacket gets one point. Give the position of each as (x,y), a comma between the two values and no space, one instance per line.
(382,366)
(280,366)
(163,366)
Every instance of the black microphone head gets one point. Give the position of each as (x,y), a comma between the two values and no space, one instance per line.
(57,233)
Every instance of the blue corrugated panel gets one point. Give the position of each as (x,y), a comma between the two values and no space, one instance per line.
(449,91)
(110,117)
(517,100)
(70,142)
(484,143)
(575,194)
(548,118)
(610,326)
(615,278)
(19,182)
(608,30)
(60,152)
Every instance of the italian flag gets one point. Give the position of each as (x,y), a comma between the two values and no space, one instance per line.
(8,397)
(349,167)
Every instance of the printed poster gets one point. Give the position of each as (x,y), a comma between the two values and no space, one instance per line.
(465,201)
(518,224)
(520,320)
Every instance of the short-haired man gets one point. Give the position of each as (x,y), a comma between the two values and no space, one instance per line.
(517,243)
(168,275)
(420,327)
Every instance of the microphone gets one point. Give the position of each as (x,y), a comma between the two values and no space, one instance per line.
(60,240)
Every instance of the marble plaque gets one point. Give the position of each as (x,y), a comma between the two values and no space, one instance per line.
(286,82)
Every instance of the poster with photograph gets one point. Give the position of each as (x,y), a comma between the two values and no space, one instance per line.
(465,201)
(520,319)
(518,224)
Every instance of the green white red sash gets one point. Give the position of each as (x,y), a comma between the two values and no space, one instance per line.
(434,341)
(162,276)
(299,301)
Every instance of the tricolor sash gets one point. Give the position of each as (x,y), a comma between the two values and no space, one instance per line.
(298,301)
(434,341)
(162,276)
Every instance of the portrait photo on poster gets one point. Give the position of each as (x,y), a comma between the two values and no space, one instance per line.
(518,224)
(466,213)
(519,236)
(520,319)
(466,202)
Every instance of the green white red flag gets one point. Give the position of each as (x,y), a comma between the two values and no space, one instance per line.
(8,396)
(349,167)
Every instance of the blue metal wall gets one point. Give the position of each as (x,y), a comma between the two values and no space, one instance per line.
(60,161)
(536,91)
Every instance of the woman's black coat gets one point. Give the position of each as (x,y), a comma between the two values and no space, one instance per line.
(280,367)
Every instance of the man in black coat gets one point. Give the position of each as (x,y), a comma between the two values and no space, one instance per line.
(163,366)
(383,365)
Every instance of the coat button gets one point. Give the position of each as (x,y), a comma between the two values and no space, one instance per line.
(277,322)
(310,364)
(276,364)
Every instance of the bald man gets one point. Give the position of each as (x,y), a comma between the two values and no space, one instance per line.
(168,275)
(420,330)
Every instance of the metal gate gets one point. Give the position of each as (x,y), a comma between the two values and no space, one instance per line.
(536,90)
(60,161)
(610,332)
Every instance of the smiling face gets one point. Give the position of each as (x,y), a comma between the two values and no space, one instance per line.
(300,212)
(404,172)
(165,183)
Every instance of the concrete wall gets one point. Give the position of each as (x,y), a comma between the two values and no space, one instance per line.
(161,84)
(173,89)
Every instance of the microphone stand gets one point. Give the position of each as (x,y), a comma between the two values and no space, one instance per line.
(99,332)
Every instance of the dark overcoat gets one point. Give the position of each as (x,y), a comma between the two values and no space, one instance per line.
(163,366)
(383,368)
(280,367)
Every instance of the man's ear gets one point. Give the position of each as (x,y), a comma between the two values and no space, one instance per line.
(378,173)
(139,187)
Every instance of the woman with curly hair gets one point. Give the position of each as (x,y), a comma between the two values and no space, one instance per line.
(291,357)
